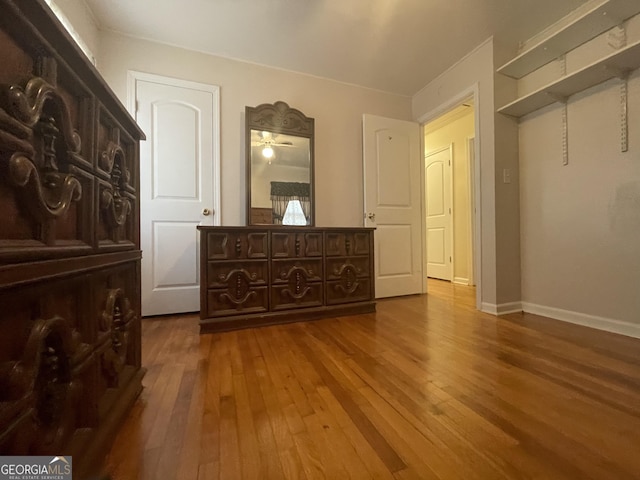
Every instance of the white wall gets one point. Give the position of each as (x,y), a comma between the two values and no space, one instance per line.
(580,223)
(81,19)
(336,107)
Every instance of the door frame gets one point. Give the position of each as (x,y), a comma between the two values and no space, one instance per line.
(471,92)
(471,148)
(133,76)
(451,222)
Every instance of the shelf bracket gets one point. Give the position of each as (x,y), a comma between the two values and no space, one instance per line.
(624,105)
(617,37)
(565,125)
(565,135)
(623,75)
(562,62)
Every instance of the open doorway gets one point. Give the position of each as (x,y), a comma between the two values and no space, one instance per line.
(449,161)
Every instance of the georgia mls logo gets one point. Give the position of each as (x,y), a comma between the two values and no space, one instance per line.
(35,468)
(63,461)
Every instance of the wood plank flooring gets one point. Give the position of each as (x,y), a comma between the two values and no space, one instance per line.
(426,388)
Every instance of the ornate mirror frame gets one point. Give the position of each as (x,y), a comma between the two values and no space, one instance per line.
(278,119)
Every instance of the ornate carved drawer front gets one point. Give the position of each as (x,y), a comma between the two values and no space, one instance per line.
(347,243)
(356,267)
(228,274)
(282,271)
(117,172)
(46,182)
(296,283)
(237,300)
(289,244)
(298,293)
(229,245)
(348,289)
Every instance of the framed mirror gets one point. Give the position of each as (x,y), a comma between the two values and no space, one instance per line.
(280,170)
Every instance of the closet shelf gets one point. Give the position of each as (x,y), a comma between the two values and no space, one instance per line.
(602,16)
(617,64)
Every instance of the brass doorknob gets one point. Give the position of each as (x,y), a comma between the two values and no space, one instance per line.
(206,212)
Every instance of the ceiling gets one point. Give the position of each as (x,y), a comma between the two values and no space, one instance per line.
(392,45)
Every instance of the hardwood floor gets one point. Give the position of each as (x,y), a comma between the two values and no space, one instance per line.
(426,388)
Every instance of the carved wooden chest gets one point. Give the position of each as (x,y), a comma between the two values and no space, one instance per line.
(69,245)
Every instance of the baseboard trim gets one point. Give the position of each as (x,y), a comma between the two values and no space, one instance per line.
(592,321)
(502,309)
(461,281)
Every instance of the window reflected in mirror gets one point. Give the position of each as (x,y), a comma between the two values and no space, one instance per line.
(294,215)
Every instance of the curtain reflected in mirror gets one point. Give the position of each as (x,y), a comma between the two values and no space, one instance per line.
(291,203)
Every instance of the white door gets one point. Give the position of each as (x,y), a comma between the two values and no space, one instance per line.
(392,202)
(179,187)
(438,206)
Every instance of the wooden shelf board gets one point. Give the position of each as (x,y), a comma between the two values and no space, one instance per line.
(592,23)
(626,59)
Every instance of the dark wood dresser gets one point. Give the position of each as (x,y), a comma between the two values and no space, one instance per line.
(69,245)
(253,276)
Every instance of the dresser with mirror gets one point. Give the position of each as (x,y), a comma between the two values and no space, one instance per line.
(281,267)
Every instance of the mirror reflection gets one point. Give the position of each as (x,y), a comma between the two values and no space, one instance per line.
(280,178)
(280,186)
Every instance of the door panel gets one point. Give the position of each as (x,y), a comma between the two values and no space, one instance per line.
(439,211)
(174,264)
(392,203)
(178,186)
(395,250)
(172,178)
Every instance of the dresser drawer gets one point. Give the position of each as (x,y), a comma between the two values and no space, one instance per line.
(284,271)
(338,268)
(291,244)
(343,291)
(347,243)
(230,245)
(225,274)
(294,295)
(232,301)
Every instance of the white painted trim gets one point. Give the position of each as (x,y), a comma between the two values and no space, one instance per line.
(490,308)
(461,281)
(134,76)
(471,154)
(471,92)
(592,321)
(423,206)
(501,309)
